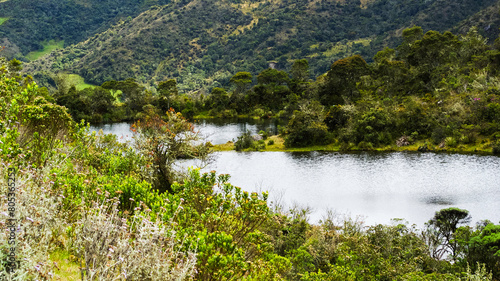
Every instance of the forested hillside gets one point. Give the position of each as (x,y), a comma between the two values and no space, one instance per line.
(29,23)
(203,43)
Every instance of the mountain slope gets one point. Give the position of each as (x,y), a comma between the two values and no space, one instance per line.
(203,43)
(31,22)
(488,21)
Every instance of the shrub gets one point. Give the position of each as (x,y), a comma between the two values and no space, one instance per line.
(496,148)
(450,142)
(264,134)
(224,221)
(438,134)
(306,127)
(162,143)
(138,248)
(39,223)
(244,141)
(365,145)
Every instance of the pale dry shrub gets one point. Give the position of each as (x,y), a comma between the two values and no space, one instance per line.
(481,274)
(39,223)
(113,247)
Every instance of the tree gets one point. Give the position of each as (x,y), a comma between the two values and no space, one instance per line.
(167,90)
(432,57)
(443,227)
(300,70)
(163,142)
(219,99)
(272,76)
(391,74)
(306,127)
(241,80)
(410,35)
(134,95)
(272,89)
(484,247)
(341,79)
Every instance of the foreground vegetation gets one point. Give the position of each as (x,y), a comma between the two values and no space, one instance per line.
(126,213)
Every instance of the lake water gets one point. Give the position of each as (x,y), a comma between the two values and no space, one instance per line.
(375,186)
(215,131)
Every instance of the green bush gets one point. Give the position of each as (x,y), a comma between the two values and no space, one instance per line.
(264,134)
(244,141)
(450,142)
(496,148)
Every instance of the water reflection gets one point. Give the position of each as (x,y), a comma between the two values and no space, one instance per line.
(121,130)
(378,186)
(439,200)
(216,131)
(219,131)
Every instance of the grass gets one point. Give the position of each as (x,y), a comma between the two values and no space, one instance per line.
(77,81)
(48,46)
(2,20)
(67,269)
(279,145)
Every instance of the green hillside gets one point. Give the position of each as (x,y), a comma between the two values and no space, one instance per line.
(32,22)
(203,43)
(487,19)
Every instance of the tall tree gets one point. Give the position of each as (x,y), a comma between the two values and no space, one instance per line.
(242,81)
(444,224)
(163,143)
(341,79)
(167,91)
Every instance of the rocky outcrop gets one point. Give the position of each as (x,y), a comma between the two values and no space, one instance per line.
(403,141)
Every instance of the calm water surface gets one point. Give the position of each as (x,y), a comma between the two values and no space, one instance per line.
(376,186)
(214,130)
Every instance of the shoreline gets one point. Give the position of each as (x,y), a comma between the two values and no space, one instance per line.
(476,149)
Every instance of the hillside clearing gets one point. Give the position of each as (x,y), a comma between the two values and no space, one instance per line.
(48,47)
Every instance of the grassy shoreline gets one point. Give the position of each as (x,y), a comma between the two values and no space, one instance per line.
(480,149)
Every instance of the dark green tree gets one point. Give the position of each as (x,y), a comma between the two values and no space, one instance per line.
(167,91)
(300,70)
(410,35)
(273,77)
(219,99)
(306,127)
(242,81)
(340,86)
(443,226)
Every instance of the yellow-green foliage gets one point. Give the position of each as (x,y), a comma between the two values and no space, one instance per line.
(48,47)
(75,80)
(66,267)
(2,20)
(346,48)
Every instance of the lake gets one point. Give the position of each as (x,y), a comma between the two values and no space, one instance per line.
(375,186)
(216,131)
